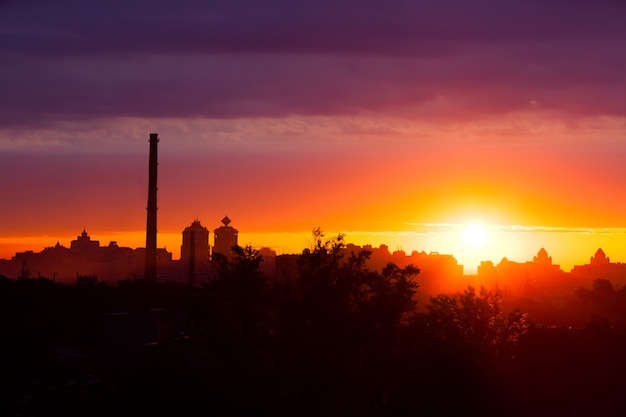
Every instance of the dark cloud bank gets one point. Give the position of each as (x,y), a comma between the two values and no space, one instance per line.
(70,60)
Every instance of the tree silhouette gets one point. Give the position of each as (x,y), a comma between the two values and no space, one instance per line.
(340,339)
(238,300)
(338,320)
(477,319)
(603,303)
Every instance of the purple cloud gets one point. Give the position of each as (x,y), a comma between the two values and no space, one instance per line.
(72,60)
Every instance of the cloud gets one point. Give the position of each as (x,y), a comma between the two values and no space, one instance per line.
(72,61)
(420,229)
(596,231)
(344,27)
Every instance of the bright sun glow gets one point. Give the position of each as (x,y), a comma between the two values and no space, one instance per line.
(474,235)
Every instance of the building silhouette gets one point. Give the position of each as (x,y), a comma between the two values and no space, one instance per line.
(224,238)
(439,273)
(600,267)
(84,244)
(535,278)
(200,237)
(84,258)
(85,261)
(195,250)
(268,266)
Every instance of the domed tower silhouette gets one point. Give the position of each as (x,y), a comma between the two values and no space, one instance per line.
(542,258)
(224,238)
(599,258)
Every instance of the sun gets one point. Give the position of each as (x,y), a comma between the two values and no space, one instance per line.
(474,235)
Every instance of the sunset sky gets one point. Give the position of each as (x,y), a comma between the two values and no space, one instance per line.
(395,122)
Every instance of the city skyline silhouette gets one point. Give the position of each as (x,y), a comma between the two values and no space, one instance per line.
(375,208)
(431,116)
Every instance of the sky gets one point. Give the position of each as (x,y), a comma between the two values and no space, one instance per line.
(393,122)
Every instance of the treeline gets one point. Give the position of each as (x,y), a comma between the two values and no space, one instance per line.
(340,340)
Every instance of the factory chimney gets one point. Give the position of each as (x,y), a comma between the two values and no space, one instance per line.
(151,225)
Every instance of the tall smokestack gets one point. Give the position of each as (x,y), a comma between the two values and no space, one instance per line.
(151,225)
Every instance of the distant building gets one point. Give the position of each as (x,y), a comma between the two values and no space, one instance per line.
(195,236)
(224,238)
(600,267)
(536,278)
(439,273)
(268,267)
(84,257)
(599,258)
(285,268)
(84,244)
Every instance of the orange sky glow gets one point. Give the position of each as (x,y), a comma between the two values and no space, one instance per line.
(401,125)
(528,192)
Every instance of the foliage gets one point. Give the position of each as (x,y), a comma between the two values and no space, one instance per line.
(603,301)
(237,299)
(477,319)
(340,340)
(333,291)
(340,319)
(239,276)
